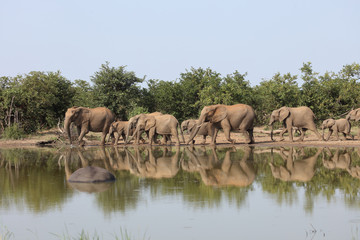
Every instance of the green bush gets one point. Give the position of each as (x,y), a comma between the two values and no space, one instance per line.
(14,132)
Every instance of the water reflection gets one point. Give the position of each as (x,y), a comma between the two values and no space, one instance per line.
(228,172)
(203,176)
(296,167)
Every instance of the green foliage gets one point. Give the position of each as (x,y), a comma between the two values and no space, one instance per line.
(39,99)
(116,88)
(14,132)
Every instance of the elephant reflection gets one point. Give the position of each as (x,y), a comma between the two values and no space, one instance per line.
(294,169)
(198,159)
(229,172)
(340,159)
(354,171)
(151,166)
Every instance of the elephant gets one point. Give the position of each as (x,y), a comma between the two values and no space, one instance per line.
(120,128)
(301,170)
(298,117)
(164,124)
(340,125)
(239,118)
(132,123)
(206,128)
(354,115)
(88,119)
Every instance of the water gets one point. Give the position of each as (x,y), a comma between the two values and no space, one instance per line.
(183,193)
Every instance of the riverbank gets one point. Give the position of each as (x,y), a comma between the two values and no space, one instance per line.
(262,139)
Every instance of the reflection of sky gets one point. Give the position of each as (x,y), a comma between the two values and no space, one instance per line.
(170,217)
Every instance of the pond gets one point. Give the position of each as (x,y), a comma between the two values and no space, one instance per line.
(182,193)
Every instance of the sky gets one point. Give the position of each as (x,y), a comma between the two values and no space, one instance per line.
(160,39)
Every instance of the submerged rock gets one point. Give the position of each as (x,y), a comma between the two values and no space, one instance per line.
(91,175)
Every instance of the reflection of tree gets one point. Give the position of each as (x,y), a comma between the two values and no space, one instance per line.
(27,179)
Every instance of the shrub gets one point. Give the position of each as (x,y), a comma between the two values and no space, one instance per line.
(14,132)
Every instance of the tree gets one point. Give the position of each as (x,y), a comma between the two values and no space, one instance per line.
(116,89)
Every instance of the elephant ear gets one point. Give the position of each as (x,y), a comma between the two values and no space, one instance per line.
(220,114)
(149,123)
(283,113)
(357,115)
(330,123)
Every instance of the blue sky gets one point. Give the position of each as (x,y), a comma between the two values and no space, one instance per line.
(161,39)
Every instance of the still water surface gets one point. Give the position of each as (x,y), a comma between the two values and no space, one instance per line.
(183,193)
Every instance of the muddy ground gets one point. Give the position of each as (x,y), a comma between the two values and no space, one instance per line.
(262,139)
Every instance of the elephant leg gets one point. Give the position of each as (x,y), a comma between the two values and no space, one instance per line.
(313,128)
(204,139)
(82,134)
(116,139)
(282,134)
(151,135)
(123,136)
(251,134)
(174,133)
(351,136)
(289,129)
(337,135)
(302,134)
(213,139)
(329,134)
(227,128)
(103,137)
(344,134)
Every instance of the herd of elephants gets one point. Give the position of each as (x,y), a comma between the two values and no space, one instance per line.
(229,118)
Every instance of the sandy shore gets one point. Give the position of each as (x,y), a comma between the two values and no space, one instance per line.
(261,140)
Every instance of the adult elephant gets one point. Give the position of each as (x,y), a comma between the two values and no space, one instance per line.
(164,124)
(239,118)
(206,128)
(299,117)
(340,125)
(88,119)
(132,123)
(354,115)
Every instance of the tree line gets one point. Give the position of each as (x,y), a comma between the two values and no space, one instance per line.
(38,100)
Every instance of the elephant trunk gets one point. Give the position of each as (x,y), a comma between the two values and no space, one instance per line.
(272,132)
(323,130)
(196,129)
(67,128)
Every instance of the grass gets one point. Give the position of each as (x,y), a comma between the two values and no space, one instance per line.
(5,234)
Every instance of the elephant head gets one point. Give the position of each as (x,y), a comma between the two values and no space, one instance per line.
(328,123)
(278,115)
(353,115)
(213,114)
(145,123)
(77,115)
(188,125)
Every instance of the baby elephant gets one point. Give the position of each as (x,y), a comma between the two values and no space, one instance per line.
(341,125)
(120,128)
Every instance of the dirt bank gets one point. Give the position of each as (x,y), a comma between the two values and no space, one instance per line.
(261,140)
